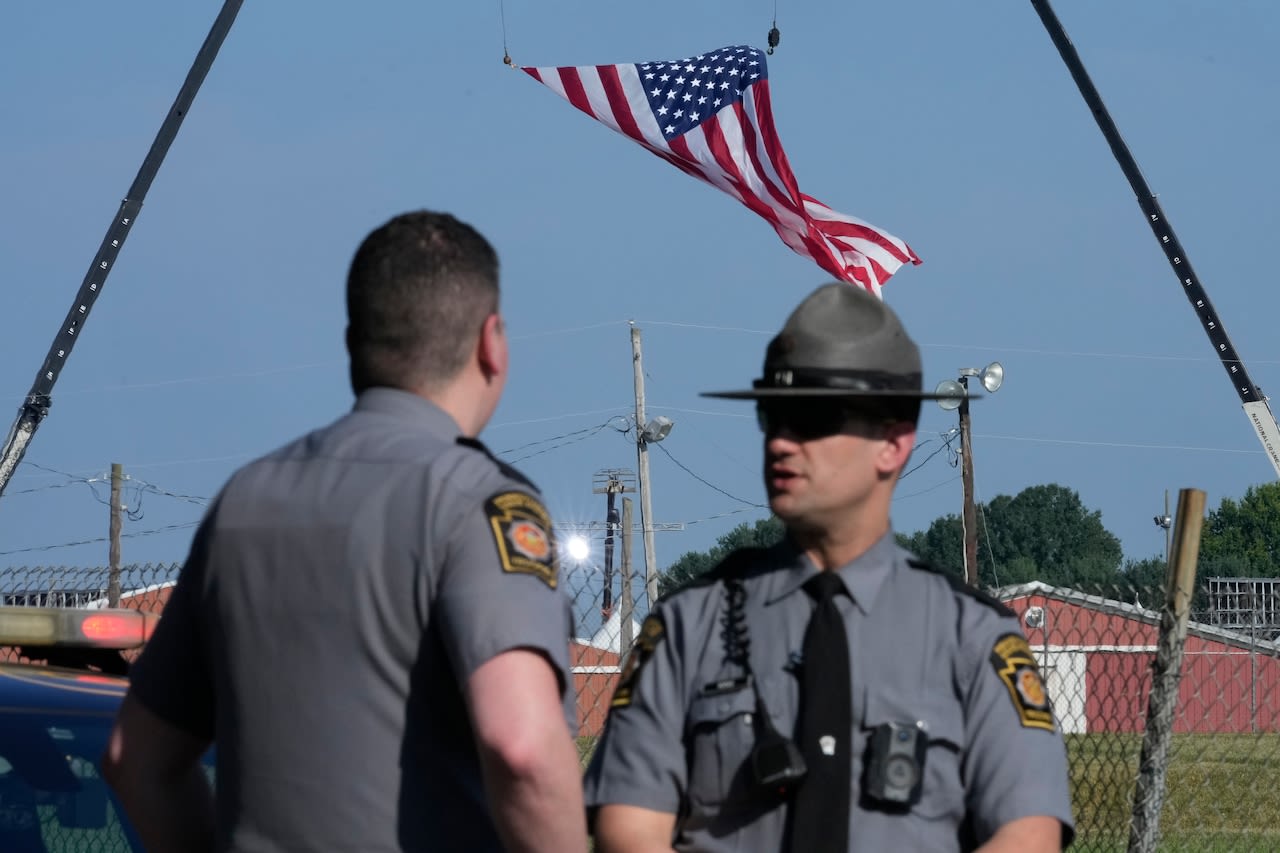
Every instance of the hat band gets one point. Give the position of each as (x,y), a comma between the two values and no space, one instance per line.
(850,380)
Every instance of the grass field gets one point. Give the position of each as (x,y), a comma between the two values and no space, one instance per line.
(1222,792)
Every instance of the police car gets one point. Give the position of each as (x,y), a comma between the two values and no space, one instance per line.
(54,720)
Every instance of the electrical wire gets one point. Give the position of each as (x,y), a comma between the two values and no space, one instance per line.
(144,486)
(682,467)
(580,436)
(946,445)
(94,541)
(926,491)
(982,515)
(718,516)
(590,429)
(1117,444)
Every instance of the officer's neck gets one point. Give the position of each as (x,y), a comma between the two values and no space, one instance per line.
(831,548)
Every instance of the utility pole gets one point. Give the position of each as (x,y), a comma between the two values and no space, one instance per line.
(113,576)
(610,482)
(642,465)
(966,475)
(626,605)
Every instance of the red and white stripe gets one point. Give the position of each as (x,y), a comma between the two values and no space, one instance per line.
(738,152)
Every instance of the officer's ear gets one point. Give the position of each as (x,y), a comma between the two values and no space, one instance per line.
(897,441)
(491,348)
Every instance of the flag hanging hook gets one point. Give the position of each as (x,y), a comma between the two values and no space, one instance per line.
(502,14)
(774,35)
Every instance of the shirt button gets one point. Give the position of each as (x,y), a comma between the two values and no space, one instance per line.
(746,719)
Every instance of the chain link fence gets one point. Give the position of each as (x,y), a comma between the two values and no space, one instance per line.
(1095,646)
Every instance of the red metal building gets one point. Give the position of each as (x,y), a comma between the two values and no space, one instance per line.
(1097,654)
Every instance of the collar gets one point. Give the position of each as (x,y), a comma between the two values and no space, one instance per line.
(863,576)
(406,406)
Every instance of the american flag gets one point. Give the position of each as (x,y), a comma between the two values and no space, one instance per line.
(709,116)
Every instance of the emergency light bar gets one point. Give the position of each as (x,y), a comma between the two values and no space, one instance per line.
(75,628)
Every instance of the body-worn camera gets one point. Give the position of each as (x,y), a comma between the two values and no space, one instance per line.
(895,763)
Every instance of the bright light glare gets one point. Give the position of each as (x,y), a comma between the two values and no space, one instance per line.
(577,547)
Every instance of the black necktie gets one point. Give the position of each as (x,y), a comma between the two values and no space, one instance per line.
(820,811)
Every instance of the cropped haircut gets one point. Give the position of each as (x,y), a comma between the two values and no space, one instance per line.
(418,292)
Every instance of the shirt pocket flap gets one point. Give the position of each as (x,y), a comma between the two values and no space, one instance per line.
(943,724)
(716,708)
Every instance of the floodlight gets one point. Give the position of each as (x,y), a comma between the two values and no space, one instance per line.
(993,376)
(954,394)
(577,548)
(657,429)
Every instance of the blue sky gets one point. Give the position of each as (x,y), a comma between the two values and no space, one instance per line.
(954,126)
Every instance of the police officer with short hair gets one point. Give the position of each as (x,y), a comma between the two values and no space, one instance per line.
(368,626)
(832,693)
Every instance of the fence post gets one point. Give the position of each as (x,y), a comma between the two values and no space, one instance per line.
(1166,672)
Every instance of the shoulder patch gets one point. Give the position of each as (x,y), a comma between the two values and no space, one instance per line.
(1016,666)
(506,468)
(522,531)
(963,588)
(652,630)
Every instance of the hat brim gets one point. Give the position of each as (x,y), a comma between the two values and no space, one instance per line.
(829,393)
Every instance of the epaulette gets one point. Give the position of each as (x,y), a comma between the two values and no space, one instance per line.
(962,587)
(736,564)
(506,468)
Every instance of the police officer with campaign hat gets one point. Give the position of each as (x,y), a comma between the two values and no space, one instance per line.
(832,693)
(368,626)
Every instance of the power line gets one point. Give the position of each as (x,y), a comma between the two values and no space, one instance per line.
(571,438)
(982,514)
(587,430)
(719,515)
(165,529)
(682,467)
(1129,445)
(926,491)
(946,445)
(144,486)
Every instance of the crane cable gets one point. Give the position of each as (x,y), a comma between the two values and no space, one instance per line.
(502,15)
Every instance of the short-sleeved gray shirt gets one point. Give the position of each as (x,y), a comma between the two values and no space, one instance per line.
(338,594)
(922,649)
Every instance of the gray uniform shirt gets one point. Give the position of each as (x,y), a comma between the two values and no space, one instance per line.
(337,596)
(922,648)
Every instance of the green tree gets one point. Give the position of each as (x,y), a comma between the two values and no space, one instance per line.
(1242,539)
(1146,578)
(764,533)
(1043,533)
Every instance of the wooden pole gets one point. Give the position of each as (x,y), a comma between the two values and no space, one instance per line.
(625,604)
(970,516)
(1166,672)
(642,464)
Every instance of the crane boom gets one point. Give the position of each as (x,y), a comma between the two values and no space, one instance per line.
(1251,397)
(39,398)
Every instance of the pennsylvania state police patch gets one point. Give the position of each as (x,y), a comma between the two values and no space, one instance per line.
(1016,666)
(522,529)
(652,630)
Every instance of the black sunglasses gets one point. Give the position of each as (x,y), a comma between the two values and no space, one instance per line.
(809,419)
